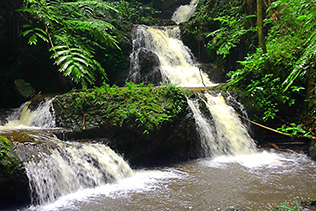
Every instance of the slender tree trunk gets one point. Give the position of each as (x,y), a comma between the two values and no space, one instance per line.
(262,42)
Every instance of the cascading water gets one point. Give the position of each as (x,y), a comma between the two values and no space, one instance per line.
(69,167)
(225,134)
(24,117)
(54,167)
(184,12)
(177,64)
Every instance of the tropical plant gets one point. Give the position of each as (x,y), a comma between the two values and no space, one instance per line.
(233,28)
(302,15)
(277,78)
(73,30)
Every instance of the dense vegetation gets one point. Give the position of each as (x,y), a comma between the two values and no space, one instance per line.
(277,79)
(266,47)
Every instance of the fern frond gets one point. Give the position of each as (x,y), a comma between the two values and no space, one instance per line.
(76,63)
(34,33)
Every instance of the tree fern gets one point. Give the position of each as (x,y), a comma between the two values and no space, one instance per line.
(73,29)
(76,63)
(33,34)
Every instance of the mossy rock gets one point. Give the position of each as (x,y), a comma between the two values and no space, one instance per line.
(14,187)
(147,125)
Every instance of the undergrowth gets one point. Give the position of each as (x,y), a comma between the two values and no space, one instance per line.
(134,105)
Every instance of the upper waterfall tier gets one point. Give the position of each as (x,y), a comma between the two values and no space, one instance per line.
(176,62)
(184,12)
(24,117)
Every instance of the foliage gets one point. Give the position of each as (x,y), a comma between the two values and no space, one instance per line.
(232,28)
(262,85)
(222,27)
(285,207)
(267,78)
(301,17)
(8,160)
(133,11)
(296,130)
(134,105)
(73,29)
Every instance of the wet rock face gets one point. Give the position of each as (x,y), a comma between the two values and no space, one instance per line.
(148,70)
(167,8)
(14,187)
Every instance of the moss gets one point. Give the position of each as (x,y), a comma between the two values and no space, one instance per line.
(13,181)
(312,150)
(9,162)
(137,106)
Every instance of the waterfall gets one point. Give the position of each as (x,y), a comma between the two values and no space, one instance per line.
(224,133)
(176,62)
(69,166)
(42,116)
(54,167)
(184,12)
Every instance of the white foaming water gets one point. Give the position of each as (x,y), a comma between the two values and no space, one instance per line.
(69,167)
(225,135)
(184,12)
(254,160)
(24,118)
(266,159)
(229,128)
(177,65)
(139,181)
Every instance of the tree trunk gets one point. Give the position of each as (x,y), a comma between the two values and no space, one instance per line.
(262,42)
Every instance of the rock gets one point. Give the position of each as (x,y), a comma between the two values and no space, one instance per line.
(147,68)
(14,188)
(216,74)
(312,150)
(139,140)
(167,8)
(25,89)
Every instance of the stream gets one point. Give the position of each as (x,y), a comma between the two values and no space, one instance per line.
(249,182)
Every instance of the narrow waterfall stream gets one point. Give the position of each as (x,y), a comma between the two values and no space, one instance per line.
(177,64)
(225,135)
(184,12)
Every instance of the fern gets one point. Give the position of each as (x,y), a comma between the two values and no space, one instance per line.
(73,29)
(306,15)
(33,34)
(303,63)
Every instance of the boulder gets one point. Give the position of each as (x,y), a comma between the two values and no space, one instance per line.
(146,132)
(13,180)
(146,68)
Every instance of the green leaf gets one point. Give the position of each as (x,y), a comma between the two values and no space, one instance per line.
(32,40)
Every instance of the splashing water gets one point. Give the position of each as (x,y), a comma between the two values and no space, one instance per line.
(224,134)
(24,117)
(69,167)
(177,64)
(56,168)
(184,12)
